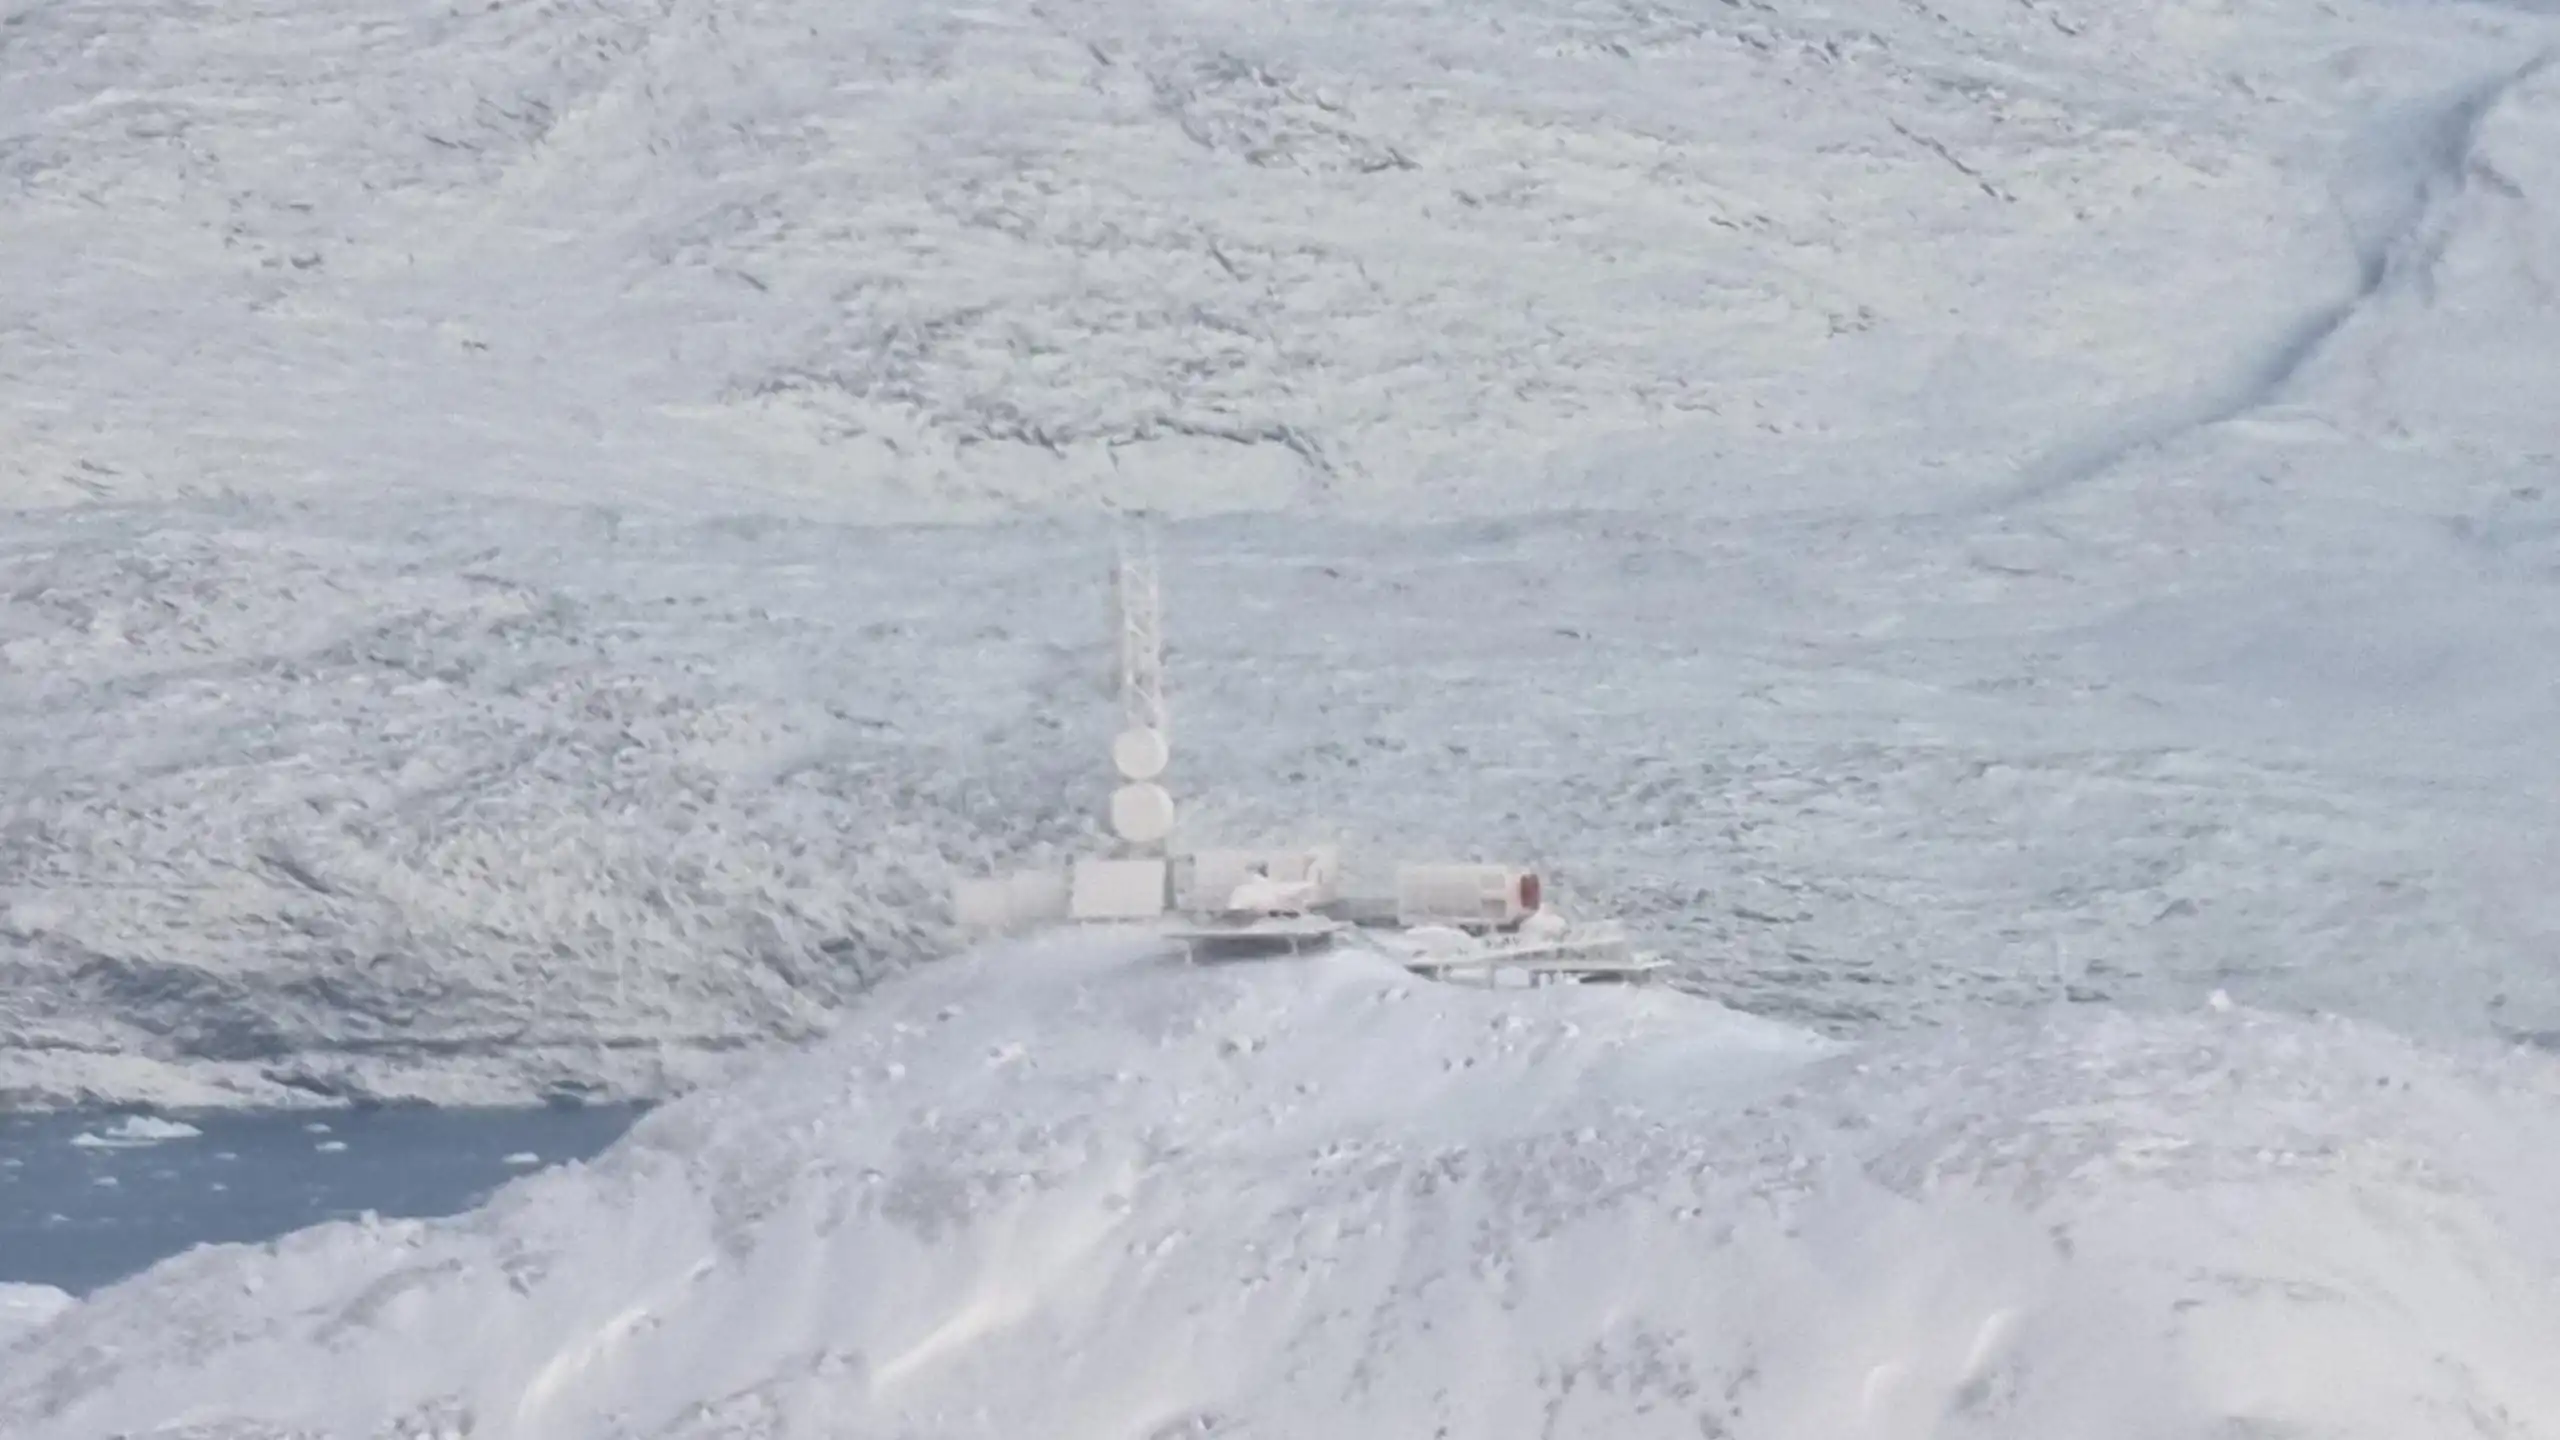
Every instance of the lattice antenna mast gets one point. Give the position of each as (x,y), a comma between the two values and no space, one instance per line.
(1140,602)
(1142,810)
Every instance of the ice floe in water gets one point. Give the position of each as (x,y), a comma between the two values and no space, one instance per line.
(135,1131)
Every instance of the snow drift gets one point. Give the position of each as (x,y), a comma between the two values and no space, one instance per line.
(26,1308)
(1067,1190)
(520,803)
(908,261)
(1994,499)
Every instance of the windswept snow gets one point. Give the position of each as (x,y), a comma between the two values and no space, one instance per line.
(25,1309)
(507,807)
(1996,500)
(1977,525)
(1065,1190)
(906,260)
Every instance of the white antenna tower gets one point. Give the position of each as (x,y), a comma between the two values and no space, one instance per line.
(1140,602)
(1141,809)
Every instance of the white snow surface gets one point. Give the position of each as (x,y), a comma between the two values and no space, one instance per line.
(509,802)
(1918,506)
(25,1309)
(1067,1189)
(1976,525)
(905,260)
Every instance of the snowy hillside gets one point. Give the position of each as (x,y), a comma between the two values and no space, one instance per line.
(1919,507)
(911,260)
(1066,1192)
(537,537)
(530,804)
(25,1308)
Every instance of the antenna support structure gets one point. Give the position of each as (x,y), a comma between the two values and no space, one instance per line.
(1465,923)
(1142,809)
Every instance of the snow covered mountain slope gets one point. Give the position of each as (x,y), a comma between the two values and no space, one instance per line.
(24,1308)
(498,803)
(2002,500)
(907,260)
(1063,1190)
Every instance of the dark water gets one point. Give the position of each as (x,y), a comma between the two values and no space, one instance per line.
(79,1216)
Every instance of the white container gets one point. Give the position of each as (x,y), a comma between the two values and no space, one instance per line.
(982,906)
(1469,896)
(1004,904)
(1117,890)
(1038,897)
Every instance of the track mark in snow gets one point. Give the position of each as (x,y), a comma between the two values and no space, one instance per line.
(575,1358)
(2395,200)
(1020,1275)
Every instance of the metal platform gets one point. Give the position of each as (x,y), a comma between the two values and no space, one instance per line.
(1595,955)
(1204,940)
(1545,965)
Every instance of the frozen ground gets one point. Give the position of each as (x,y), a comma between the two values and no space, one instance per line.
(25,1308)
(491,803)
(1328,1199)
(1915,505)
(1975,525)
(918,261)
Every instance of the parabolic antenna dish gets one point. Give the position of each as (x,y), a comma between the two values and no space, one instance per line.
(1140,753)
(1141,812)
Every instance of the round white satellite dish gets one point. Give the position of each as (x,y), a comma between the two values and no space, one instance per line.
(1141,813)
(1140,754)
